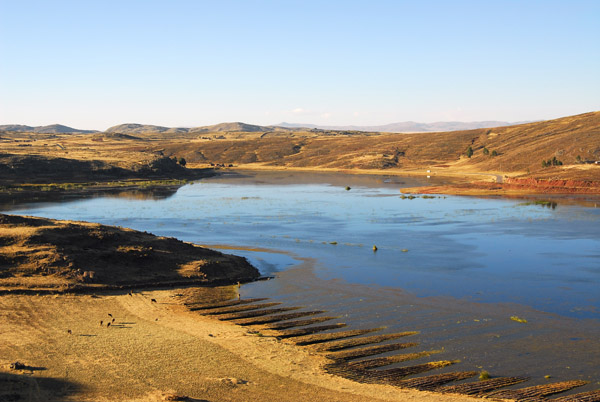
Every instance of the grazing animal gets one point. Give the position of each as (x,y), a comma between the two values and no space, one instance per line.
(131,293)
(113,320)
(110,314)
(153,300)
(69,332)
(107,324)
(101,322)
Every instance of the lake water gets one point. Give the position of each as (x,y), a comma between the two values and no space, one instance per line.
(455,268)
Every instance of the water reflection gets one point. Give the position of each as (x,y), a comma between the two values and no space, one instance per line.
(14,200)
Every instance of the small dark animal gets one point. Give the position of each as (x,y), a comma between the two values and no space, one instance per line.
(69,332)
(101,322)
(110,314)
(153,300)
(107,324)
(130,293)
(113,320)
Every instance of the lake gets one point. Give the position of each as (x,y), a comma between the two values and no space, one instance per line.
(454,268)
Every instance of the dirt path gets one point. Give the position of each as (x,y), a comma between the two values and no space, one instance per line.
(155,349)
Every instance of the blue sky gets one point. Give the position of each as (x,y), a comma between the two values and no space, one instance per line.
(93,64)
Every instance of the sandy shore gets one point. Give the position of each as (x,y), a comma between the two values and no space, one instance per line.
(154,351)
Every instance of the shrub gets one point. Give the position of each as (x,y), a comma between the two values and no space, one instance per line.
(494,153)
(469,152)
(486,151)
(182,161)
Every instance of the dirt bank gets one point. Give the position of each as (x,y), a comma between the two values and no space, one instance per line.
(44,254)
(514,187)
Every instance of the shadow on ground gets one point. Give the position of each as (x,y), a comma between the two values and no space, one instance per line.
(29,388)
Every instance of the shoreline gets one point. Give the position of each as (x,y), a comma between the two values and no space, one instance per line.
(227,362)
(468,183)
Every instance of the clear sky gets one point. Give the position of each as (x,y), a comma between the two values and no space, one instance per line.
(93,64)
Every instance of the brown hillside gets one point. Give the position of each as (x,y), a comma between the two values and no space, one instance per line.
(520,150)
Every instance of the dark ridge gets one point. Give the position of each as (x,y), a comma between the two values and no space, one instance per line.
(591,396)
(368,351)
(536,391)
(255,313)
(290,333)
(276,318)
(428,383)
(319,338)
(389,376)
(482,387)
(299,323)
(386,361)
(222,304)
(237,309)
(348,343)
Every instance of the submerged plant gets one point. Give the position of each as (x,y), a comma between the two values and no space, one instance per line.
(484,375)
(518,319)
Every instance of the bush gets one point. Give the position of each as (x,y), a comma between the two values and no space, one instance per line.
(486,151)
(469,152)
(182,161)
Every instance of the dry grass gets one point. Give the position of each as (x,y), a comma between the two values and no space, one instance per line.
(38,253)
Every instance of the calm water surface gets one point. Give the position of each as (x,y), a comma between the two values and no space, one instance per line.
(464,251)
(490,250)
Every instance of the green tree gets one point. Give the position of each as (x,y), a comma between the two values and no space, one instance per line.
(486,151)
(469,152)
(578,158)
(494,153)
(182,161)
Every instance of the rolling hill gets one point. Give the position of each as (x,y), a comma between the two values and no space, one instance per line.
(51,129)
(514,150)
(407,126)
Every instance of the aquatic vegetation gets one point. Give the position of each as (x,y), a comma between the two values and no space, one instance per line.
(405,250)
(334,243)
(374,248)
(518,319)
(348,188)
(484,375)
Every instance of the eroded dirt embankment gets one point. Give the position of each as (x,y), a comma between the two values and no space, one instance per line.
(514,186)
(46,254)
(553,186)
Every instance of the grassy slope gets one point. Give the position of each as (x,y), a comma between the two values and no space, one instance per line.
(520,149)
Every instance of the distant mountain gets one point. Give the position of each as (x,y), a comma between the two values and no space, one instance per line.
(51,129)
(133,128)
(408,126)
(237,126)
